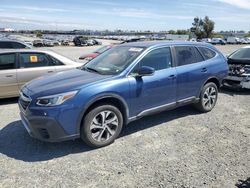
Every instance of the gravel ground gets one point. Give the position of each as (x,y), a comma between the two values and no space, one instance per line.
(179,148)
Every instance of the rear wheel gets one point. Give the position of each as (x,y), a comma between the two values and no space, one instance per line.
(208,97)
(101,126)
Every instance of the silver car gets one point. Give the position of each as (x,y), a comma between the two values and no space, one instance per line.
(20,66)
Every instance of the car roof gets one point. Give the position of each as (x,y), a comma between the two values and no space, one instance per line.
(24,50)
(148,44)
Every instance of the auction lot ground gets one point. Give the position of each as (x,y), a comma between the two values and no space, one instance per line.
(180,148)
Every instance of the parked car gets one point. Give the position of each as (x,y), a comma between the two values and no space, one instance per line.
(244,41)
(207,40)
(12,44)
(20,66)
(38,43)
(97,52)
(218,41)
(233,40)
(65,43)
(48,43)
(80,41)
(124,84)
(239,69)
(96,42)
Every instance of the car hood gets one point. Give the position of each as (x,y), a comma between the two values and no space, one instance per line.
(61,82)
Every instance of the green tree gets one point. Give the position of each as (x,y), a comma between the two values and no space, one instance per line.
(171,32)
(202,28)
(208,27)
(39,34)
(198,27)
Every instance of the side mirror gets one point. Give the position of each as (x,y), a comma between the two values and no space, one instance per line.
(146,71)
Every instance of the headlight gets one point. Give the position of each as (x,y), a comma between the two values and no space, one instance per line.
(54,100)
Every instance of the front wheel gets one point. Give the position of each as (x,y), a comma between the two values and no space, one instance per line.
(208,97)
(101,126)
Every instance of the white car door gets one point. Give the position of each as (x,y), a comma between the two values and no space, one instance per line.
(8,75)
(33,65)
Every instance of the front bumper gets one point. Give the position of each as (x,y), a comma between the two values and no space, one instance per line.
(237,82)
(45,128)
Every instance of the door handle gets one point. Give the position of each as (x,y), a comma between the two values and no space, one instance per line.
(50,71)
(204,70)
(172,76)
(9,75)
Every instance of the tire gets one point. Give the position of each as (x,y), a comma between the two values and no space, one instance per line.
(101,126)
(208,97)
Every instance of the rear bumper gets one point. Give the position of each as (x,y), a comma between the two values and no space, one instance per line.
(45,128)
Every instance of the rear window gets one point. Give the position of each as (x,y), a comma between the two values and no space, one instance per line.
(207,53)
(7,61)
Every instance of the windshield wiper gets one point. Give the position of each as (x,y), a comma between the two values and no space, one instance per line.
(91,70)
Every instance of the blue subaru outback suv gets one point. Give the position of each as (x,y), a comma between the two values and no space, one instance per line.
(123,84)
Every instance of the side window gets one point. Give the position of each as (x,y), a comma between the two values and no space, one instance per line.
(186,55)
(31,60)
(207,53)
(5,44)
(7,61)
(17,45)
(55,62)
(158,59)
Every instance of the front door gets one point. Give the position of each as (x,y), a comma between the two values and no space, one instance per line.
(152,92)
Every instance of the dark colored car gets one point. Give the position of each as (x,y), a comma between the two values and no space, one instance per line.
(11,44)
(239,69)
(80,41)
(122,85)
(97,52)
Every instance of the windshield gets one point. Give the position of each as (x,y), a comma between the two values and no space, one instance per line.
(102,49)
(114,61)
(243,53)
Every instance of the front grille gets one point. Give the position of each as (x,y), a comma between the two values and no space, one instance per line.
(24,100)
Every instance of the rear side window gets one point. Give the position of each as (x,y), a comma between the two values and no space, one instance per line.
(186,55)
(207,53)
(31,60)
(5,44)
(7,61)
(55,61)
(158,59)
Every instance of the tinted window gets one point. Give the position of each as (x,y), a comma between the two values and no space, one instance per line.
(7,61)
(18,45)
(30,60)
(207,53)
(187,55)
(5,45)
(158,59)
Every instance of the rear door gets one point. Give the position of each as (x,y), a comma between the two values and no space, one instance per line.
(191,71)
(33,65)
(8,75)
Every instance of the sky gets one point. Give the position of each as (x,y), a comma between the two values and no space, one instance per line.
(154,15)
